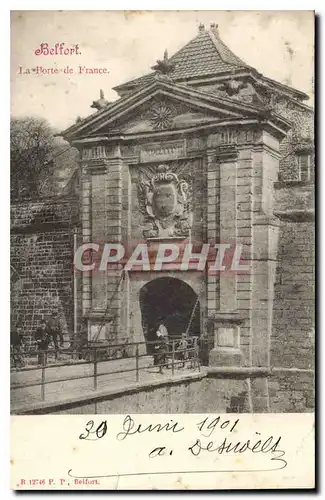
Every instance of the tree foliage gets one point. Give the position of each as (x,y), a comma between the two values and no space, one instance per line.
(39,160)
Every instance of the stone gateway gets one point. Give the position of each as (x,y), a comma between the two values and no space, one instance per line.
(204,150)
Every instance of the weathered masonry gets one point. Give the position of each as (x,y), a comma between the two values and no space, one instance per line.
(206,149)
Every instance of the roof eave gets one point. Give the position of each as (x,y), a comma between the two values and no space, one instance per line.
(290,90)
(211,76)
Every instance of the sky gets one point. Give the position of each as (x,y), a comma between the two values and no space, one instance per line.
(278,44)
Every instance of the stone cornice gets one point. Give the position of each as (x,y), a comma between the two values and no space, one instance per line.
(265,147)
(226,153)
(173,134)
(265,220)
(238,372)
(296,215)
(221,318)
(98,167)
(294,184)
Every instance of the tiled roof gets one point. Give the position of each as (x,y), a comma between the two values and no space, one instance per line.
(205,55)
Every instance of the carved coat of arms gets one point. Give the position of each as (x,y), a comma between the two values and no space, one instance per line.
(165,203)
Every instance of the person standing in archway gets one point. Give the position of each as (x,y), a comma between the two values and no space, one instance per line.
(161,348)
(162,331)
(182,349)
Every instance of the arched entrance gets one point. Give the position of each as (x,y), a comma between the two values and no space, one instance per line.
(171,301)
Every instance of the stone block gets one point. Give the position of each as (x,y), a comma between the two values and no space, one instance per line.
(224,357)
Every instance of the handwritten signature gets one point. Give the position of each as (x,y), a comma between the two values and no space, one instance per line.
(269,446)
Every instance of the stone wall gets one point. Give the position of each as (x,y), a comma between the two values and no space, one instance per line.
(299,138)
(293,332)
(204,392)
(201,396)
(292,391)
(192,394)
(293,323)
(42,262)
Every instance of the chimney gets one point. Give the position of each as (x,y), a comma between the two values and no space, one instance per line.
(214,28)
(201,28)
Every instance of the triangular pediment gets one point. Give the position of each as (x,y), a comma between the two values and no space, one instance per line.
(162,105)
(162,112)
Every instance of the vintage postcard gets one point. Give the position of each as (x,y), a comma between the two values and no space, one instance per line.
(162,250)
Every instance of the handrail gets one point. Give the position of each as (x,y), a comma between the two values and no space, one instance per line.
(165,358)
(103,347)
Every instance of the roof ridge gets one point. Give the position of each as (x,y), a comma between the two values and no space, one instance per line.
(225,55)
(217,41)
(187,44)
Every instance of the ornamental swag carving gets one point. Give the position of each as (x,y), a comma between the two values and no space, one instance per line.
(165,202)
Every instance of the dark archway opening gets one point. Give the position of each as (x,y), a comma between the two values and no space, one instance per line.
(169,301)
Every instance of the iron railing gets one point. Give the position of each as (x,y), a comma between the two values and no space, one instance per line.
(172,354)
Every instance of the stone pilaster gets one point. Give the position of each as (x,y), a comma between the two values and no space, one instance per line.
(113,202)
(244,238)
(213,233)
(264,254)
(105,211)
(85,234)
(125,238)
(226,320)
